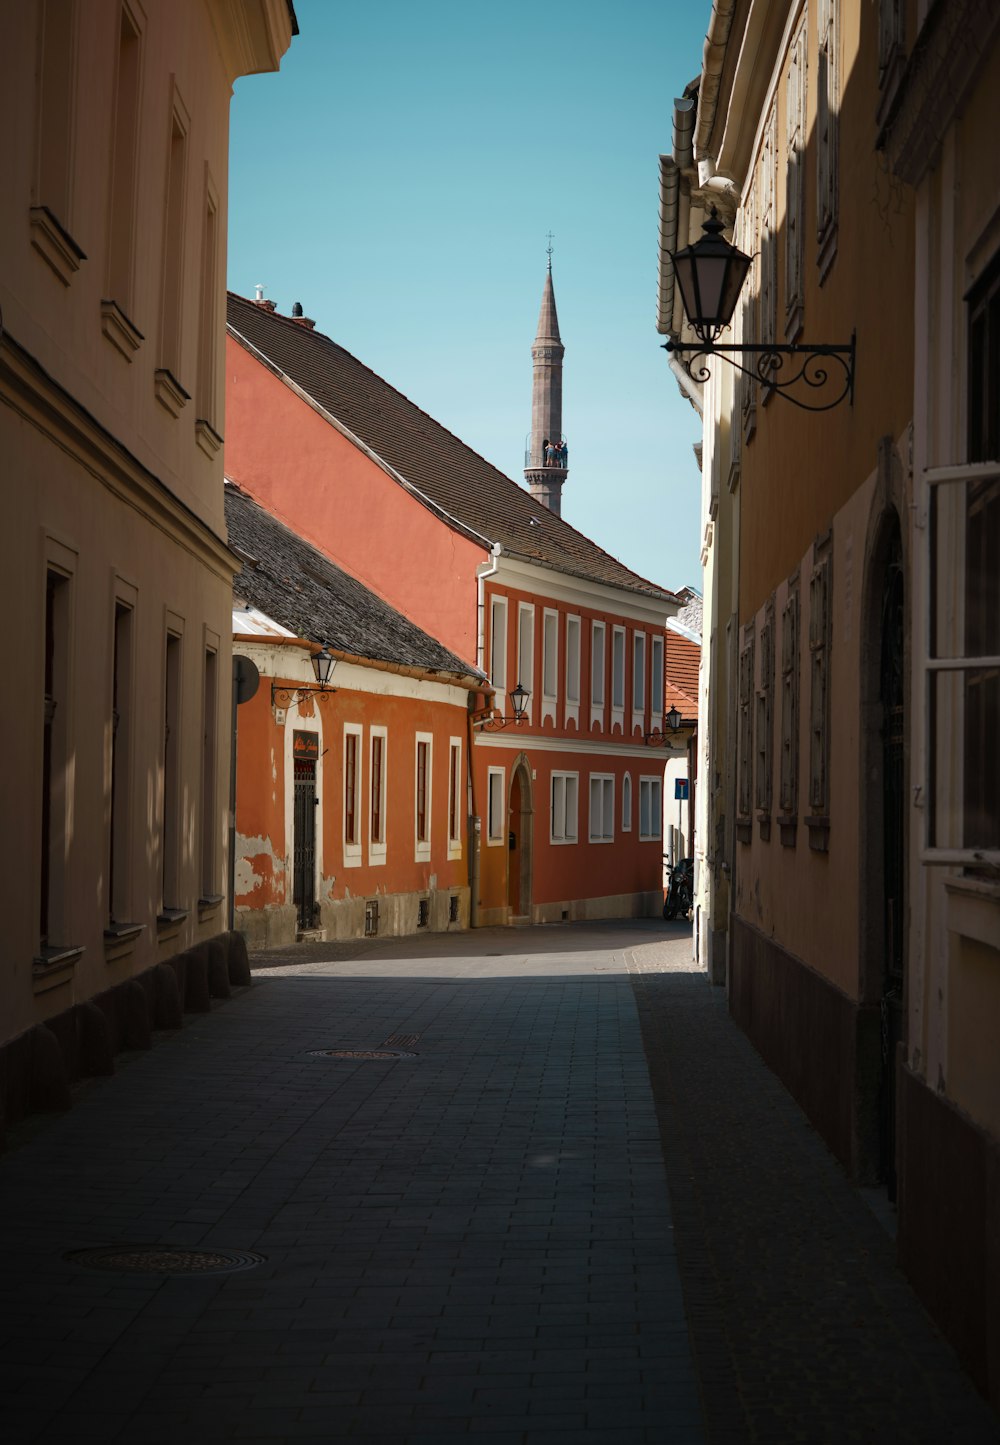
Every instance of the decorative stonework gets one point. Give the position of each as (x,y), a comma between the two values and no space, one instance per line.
(120,331)
(169,392)
(54,243)
(207,437)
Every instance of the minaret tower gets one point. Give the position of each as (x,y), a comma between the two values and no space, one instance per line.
(545,464)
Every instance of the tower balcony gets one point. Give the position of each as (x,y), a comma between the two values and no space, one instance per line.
(551,455)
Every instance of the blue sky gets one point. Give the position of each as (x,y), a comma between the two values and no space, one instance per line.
(398,177)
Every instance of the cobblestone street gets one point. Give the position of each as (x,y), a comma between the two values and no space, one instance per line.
(517,1229)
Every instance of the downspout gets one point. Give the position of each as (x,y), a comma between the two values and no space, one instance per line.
(475,823)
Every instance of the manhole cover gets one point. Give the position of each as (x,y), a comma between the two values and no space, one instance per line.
(140,1259)
(360,1054)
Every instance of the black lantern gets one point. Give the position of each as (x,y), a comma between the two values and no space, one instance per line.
(673,719)
(710,274)
(519,701)
(322,665)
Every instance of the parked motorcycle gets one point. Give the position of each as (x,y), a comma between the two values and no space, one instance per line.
(680,889)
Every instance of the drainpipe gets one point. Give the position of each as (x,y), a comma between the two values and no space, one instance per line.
(475,822)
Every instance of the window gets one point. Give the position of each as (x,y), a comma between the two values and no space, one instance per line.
(597,668)
(827,122)
(819,698)
(495,806)
(789,795)
(209,809)
(565,801)
(455,798)
(572,663)
(169,391)
(891,53)
(765,713)
(119,840)
(170,835)
(627,803)
(962,657)
(352,794)
(651,810)
(602,808)
(550,662)
(795,148)
(617,670)
(749,333)
(745,738)
(121,240)
(768,233)
(639,672)
(56,737)
(526,652)
(51,215)
(209,321)
(498,646)
(422,796)
(656,680)
(376,812)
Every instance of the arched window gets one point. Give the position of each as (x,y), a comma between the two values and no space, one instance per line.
(627,803)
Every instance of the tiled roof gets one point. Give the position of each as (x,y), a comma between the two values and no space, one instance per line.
(682,659)
(428,456)
(297,586)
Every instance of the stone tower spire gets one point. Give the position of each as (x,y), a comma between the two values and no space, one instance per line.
(545,465)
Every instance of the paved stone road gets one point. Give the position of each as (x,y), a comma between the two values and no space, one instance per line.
(474,1241)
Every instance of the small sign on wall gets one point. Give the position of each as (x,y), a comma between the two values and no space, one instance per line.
(305,746)
(680,789)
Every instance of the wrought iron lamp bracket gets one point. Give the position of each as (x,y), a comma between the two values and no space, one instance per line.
(289,697)
(769,361)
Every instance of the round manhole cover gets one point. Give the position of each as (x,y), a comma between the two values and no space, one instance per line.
(142,1259)
(360,1054)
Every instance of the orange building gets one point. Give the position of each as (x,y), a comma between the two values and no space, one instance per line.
(565,811)
(350,797)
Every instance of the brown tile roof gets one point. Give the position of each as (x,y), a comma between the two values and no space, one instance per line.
(682,658)
(297,586)
(428,456)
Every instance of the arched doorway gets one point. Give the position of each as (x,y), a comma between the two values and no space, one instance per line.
(519,841)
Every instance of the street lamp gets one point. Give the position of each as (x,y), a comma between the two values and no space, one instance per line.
(710,275)
(323,663)
(492,721)
(660,737)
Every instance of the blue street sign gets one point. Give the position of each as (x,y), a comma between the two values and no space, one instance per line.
(680,790)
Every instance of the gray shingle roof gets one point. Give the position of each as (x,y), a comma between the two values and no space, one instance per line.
(457,479)
(297,586)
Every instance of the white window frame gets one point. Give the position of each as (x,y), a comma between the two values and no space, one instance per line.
(944,780)
(627,803)
(352,851)
(639,681)
(496,807)
(550,662)
(598,672)
(422,849)
(526,654)
(572,702)
(651,785)
(564,808)
(377,852)
(618,677)
(657,674)
(498,656)
(455,780)
(601,828)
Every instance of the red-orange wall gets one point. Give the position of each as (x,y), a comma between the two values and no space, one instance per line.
(300,467)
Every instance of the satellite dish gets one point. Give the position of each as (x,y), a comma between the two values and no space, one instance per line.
(246,678)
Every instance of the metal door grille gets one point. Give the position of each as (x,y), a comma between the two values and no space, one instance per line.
(304,846)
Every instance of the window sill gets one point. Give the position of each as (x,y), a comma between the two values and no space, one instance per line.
(125,337)
(788,826)
(209,904)
(54,966)
(168,922)
(169,392)
(744,830)
(973,908)
(764,826)
(120,938)
(54,244)
(819,832)
(207,437)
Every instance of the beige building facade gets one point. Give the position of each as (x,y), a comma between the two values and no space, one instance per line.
(849,843)
(117,580)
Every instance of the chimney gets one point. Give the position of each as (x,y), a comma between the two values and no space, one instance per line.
(297,316)
(260,300)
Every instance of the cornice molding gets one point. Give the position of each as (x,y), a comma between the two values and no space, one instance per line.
(546,581)
(42,403)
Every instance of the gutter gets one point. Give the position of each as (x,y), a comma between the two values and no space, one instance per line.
(712,61)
